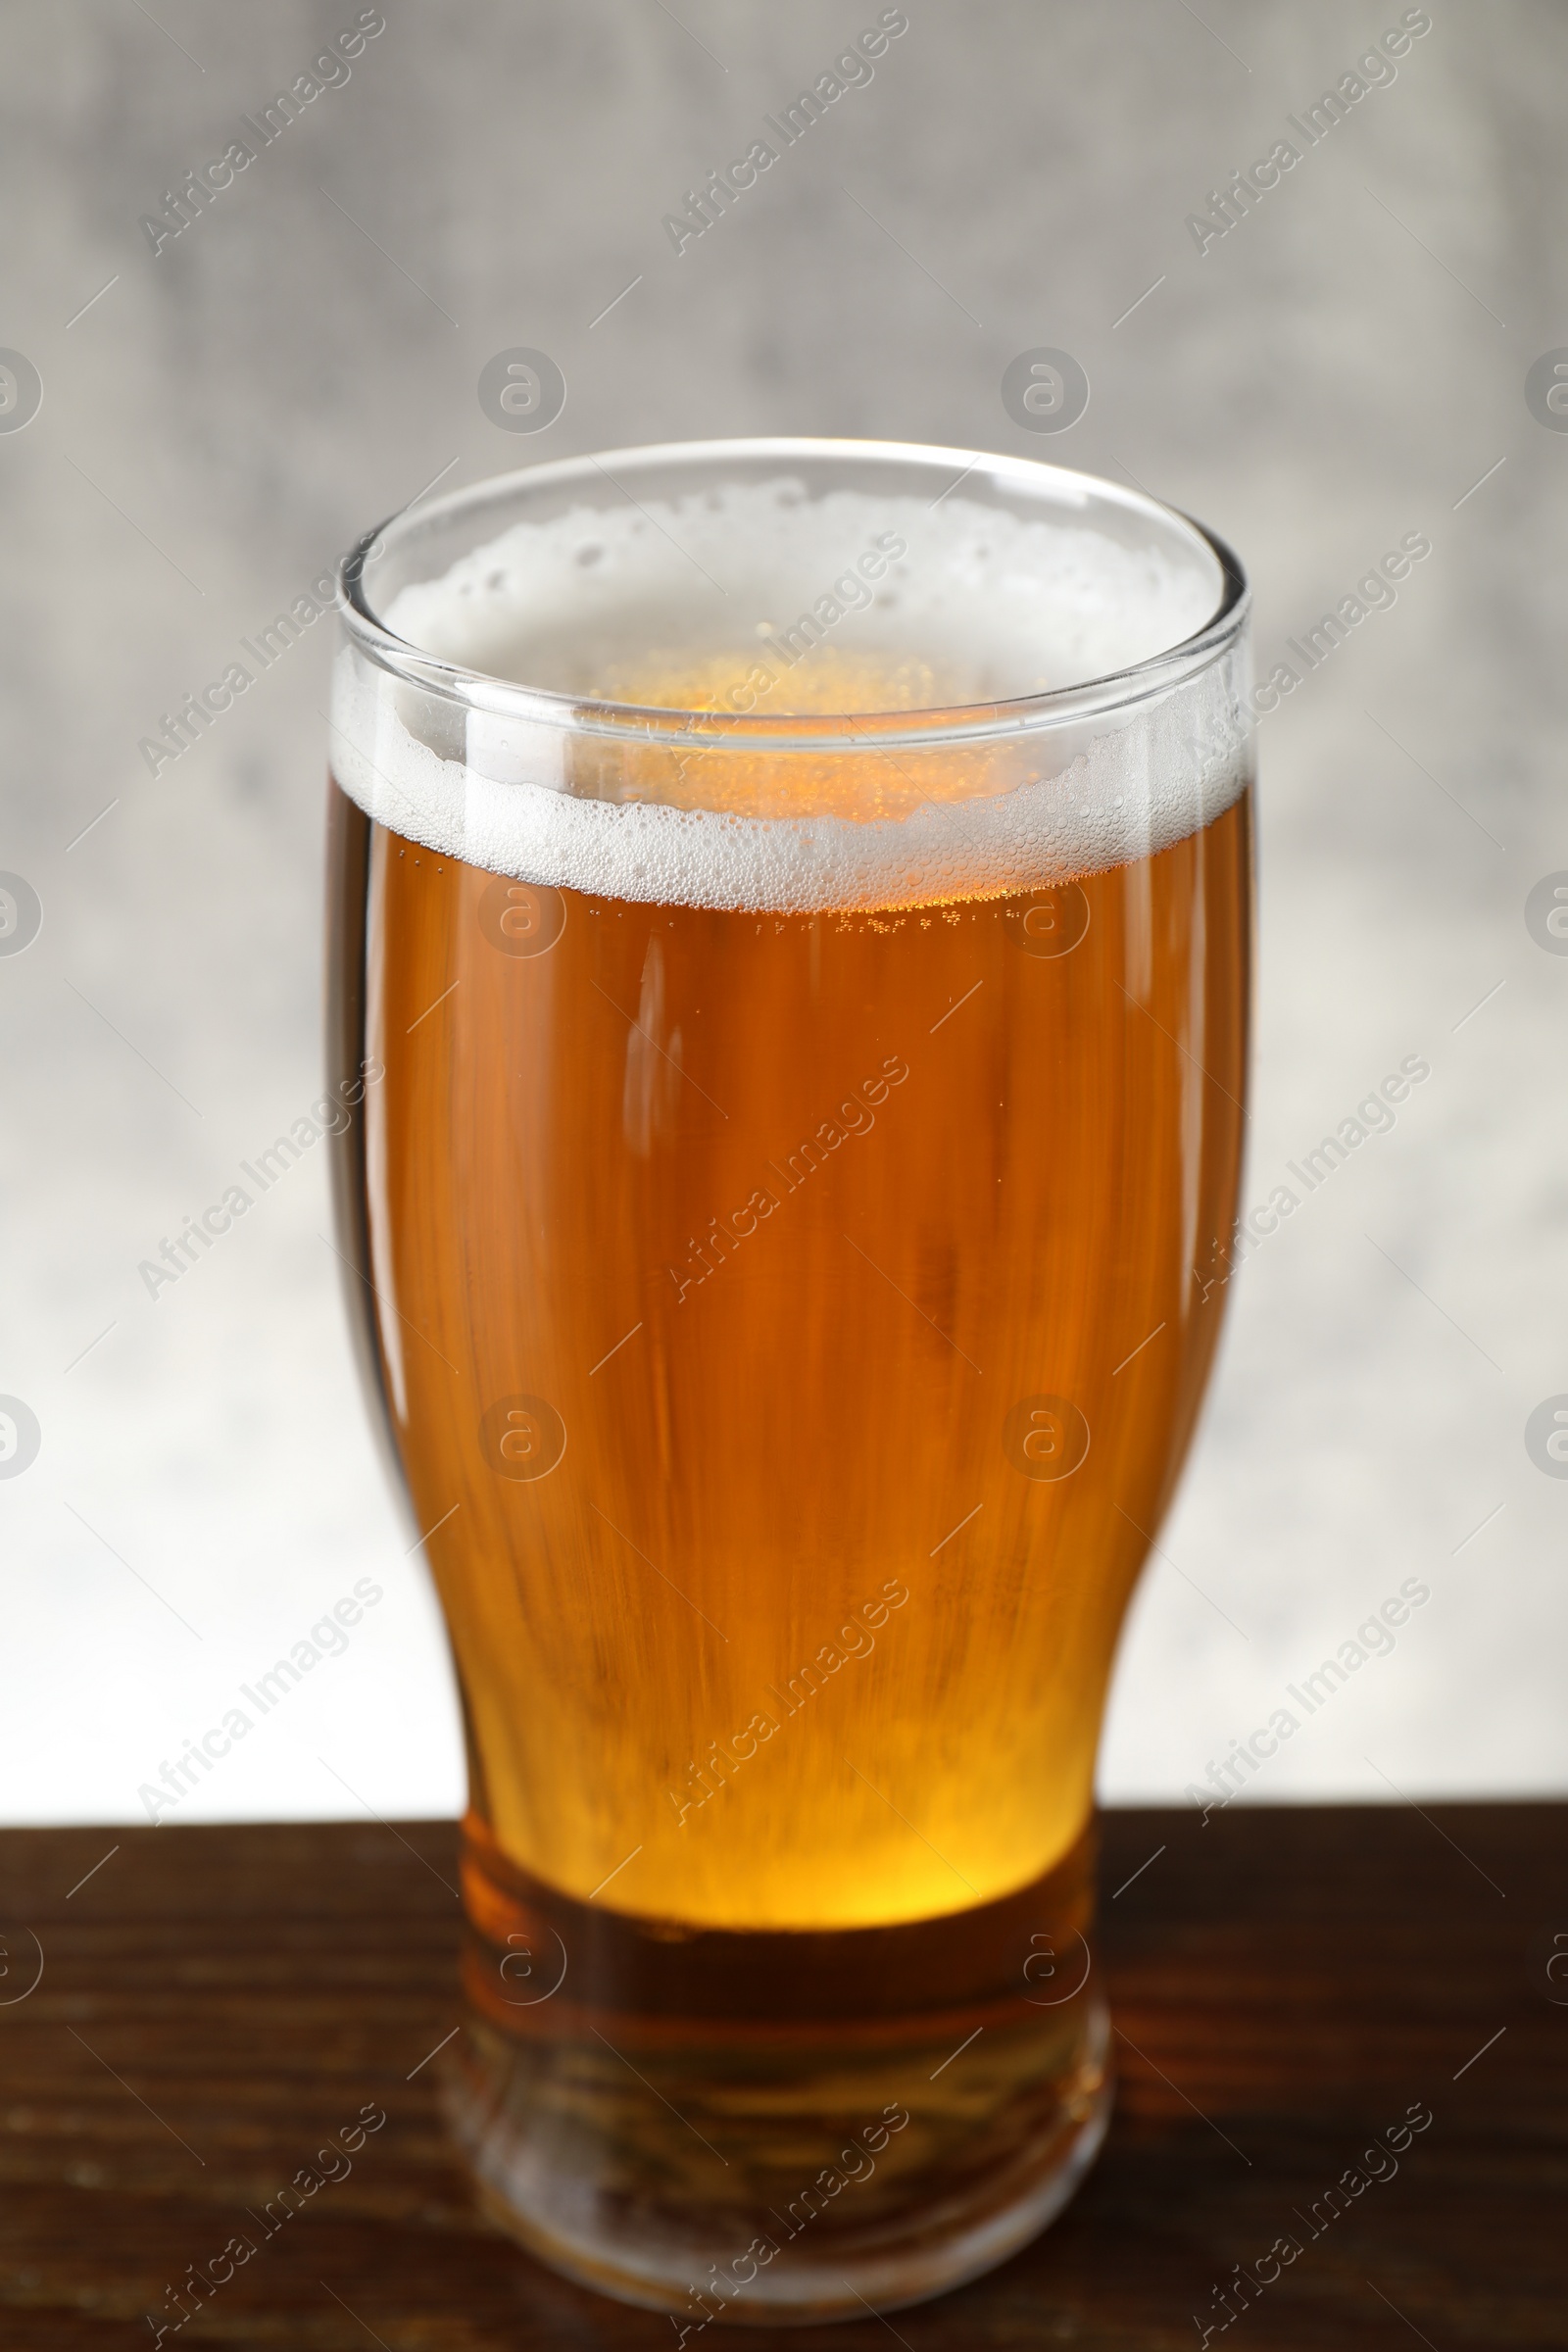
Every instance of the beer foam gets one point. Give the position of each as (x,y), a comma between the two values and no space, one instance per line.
(758,600)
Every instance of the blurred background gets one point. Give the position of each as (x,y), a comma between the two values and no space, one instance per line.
(205,397)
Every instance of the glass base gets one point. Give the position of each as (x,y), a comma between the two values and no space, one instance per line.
(755,2272)
(791,2150)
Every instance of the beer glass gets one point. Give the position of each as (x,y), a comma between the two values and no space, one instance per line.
(791,910)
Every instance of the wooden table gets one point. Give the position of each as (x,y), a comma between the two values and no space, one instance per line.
(1287,1986)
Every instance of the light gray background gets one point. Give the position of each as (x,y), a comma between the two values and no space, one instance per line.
(1339,370)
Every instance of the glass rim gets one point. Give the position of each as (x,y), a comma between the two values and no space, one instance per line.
(480,690)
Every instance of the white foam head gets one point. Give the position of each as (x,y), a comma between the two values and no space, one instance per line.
(782,689)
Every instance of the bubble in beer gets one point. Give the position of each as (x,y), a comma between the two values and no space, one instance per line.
(21,914)
(19,1437)
(1044,390)
(522,390)
(523,1437)
(20,391)
(1045,1437)
(521,918)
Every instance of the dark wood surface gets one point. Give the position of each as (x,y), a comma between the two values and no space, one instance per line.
(1287,1985)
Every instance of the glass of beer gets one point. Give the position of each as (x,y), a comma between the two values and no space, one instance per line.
(790,906)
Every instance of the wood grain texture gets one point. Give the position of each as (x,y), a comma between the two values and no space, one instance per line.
(215,2002)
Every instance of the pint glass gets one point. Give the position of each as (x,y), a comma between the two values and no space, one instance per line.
(791,913)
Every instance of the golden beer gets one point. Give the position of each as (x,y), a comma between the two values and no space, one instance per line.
(789,1329)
